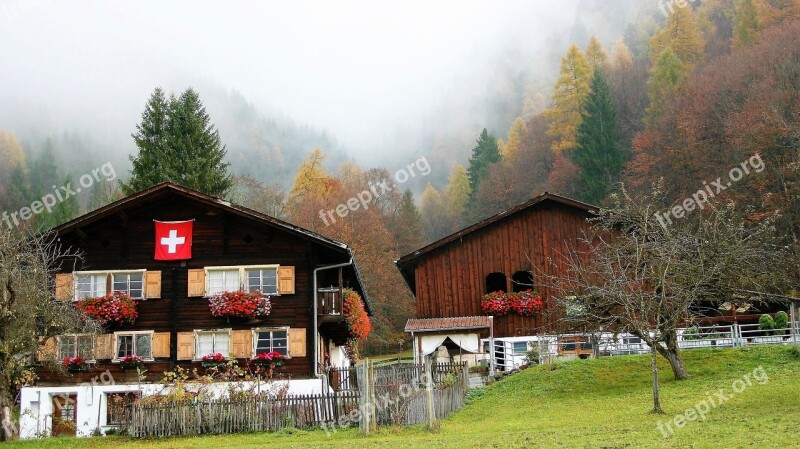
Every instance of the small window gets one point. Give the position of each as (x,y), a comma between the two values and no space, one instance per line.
(272,340)
(212,342)
(262,280)
(137,343)
(496,282)
(75,345)
(117,409)
(132,284)
(91,285)
(223,281)
(520,347)
(521,281)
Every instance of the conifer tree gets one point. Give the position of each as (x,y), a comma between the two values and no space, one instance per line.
(599,155)
(571,89)
(595,54)
(683,35)
(484,154)
(515,135)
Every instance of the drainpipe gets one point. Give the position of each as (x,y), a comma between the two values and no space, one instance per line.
(315,299)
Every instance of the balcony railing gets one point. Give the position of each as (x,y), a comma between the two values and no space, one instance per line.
(330,301)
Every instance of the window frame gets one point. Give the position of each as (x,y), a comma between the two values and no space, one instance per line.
(243,279)
(197,355)
(109,274)
(134,334)
(61,356)
(271,329)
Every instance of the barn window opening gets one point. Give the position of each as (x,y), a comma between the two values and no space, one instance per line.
(521,281)
(496,282)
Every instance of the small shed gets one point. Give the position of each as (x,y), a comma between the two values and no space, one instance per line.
(464,334)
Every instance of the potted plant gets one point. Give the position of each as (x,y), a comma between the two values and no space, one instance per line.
(239,304)
(75,364)
(115,308)
(213,360)
(131,362)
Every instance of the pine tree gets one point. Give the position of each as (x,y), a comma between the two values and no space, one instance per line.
(683,35)
(178,143)
(44,170)
(63,211)
(595,54)
(599,155)
(571,89)
(484,154)
(746,23)
(665,76)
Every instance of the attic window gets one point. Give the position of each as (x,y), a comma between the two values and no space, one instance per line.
(521,281)
(496,282)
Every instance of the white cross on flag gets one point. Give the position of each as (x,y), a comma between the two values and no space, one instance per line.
(174,240)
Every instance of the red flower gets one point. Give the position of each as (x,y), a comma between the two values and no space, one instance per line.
(355,314)
(526,303)
(116,307)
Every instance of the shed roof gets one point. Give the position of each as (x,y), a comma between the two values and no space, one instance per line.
(448,324)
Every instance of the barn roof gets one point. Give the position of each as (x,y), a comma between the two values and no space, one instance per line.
(448,324)
(167,188)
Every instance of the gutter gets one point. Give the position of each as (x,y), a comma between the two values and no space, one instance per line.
(315,360)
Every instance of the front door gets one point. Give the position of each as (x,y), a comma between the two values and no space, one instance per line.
(65,415)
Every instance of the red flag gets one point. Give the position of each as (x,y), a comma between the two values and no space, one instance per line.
(174,240)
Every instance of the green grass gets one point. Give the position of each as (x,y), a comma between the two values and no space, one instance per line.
(601,403)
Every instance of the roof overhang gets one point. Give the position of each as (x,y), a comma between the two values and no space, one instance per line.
(433,325)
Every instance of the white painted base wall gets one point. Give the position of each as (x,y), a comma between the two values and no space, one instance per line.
(36,403)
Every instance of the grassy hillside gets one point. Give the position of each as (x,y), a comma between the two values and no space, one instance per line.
(594,403)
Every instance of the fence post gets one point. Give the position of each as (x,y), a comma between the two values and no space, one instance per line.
(429,392)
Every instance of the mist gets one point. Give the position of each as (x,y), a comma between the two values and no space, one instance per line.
(370,80)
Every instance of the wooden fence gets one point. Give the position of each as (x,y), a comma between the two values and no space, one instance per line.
(397,395)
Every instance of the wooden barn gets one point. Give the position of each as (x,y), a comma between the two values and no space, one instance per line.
(226,248)
(506,252)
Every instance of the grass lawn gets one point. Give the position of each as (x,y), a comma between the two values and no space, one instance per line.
(593,404)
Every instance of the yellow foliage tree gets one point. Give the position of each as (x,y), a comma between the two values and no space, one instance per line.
(458,191)
(515,135)
(571,89)
(595,54)
(682,34)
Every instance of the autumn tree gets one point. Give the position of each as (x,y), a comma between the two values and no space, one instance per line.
(177,142)
(12,158)
(598,155)
(516,133)
(457,193)
(682,34)
(269,199)
(746,23)
(406,225)
(665,77)
(436,221)
(571,89)
(627,80)
(595,54)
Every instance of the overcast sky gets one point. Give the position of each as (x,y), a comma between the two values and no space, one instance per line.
(347,67)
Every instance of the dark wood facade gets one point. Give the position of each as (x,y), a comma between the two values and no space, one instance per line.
(449,277)
(121,236)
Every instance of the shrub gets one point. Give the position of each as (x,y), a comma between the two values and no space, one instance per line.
(766,324)
(795,351)
(692,333)
(532,356)
(781,321)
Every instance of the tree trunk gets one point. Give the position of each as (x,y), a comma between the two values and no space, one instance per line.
(672,352)
(656,391)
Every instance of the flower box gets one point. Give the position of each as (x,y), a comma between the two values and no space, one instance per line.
(75,364)
(239,304)
(526,303)
(268,359)
(116,308)
(131,362)
(213,360)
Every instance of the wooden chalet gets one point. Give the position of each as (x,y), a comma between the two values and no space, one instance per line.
(232,248)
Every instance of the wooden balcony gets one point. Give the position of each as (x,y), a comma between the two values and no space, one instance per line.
(329,304)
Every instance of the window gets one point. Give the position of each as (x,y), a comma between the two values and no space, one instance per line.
(132,284)
(521,281)
(255,278)
(91,285)
(117,409)
(135,343)
(496,282)
(268,340)
(212,342)
(75,345)
(263,280)
(520,347)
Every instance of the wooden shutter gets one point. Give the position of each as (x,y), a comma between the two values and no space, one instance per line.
(197,283)
(161,344)
(65,286)
(297,342)
(286,280)
(104,346)
(152,288)
(242,344)
(185,345)
(47,350)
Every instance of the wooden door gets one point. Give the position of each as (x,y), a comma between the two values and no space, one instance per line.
(65,415)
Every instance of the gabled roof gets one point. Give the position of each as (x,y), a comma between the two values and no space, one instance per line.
(168,187)
(448,324)
(534,202)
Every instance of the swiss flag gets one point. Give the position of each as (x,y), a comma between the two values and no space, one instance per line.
(174,240)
